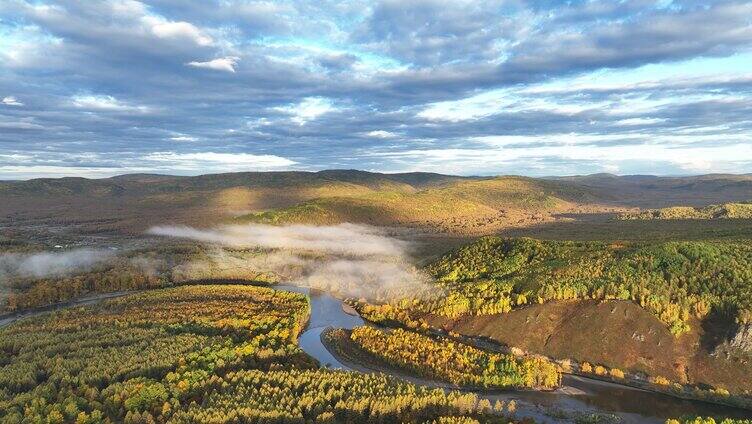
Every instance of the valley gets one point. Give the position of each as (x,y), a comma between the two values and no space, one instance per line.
(540,287)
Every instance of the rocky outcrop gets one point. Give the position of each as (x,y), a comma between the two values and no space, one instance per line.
(742,339)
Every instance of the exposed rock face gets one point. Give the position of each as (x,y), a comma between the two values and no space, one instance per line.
(742,340)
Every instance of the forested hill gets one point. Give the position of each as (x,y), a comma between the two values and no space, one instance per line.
(627,190)
(724,211)
(650,191)
(460,205)
(143,184)
(476,205)
(673,280)
(132,203)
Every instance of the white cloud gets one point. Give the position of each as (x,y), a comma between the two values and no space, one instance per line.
(498,101)
(639,121)
(105,103)
(11,101)
(226,64)
(165,29)
(216,162)
(469,108)
(611,167)
(380,134)
(26,123)
(309,109)
(21,172)
(24,166)
(183,138)
(696,155)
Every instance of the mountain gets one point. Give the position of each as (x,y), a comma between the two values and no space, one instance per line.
(132,203)
(649,191)
(445,203)
(141,184)
(470,205)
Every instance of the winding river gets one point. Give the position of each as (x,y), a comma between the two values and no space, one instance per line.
(577,396)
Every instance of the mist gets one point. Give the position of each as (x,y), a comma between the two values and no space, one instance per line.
(49,264)
(347,259)
(345,239)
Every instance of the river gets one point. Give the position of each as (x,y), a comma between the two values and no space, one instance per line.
(577,396)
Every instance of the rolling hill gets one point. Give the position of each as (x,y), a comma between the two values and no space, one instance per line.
(723,211)
(129,204)
(132,203)
(476,205)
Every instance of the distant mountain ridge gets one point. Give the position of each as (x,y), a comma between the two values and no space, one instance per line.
(157,183)
(433,201)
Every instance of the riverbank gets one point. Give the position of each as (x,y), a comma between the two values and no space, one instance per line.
(513,400)
(595,371)
(657,385)
(579,397)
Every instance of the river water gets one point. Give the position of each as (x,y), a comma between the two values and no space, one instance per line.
(579,395)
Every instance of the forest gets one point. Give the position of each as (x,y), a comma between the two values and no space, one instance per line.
(672,280)
(707,420)
(160,266)
(454,362)
(741,210)
(196,354)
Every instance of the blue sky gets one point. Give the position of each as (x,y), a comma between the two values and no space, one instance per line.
(100,88)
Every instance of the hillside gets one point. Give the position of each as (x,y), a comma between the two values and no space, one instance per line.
(673,280)
(129,204)
(679,310)
(647,191)
(132,203)
(480,205)
(723,211)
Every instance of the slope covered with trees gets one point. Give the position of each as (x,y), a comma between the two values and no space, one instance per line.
(195,354)
(454,362)
(723,211)
(164,265)
(460,206)
(673,280)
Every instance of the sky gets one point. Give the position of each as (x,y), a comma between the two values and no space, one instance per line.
(99,88)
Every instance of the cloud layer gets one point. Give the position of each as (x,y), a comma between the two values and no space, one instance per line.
(118,86)
(350,260)
(49,264)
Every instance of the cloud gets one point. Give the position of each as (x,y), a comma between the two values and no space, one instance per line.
(11,101)
(49,264)
(380,134)
(177,30)
(639,121)
(308,109)
(343,239)
(432,32)
(226,64)
(183,138)
(104,103)
(354,85)
(350,260)
(217,161)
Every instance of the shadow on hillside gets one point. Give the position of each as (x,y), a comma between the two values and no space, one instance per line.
(605,226)
(717,328)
